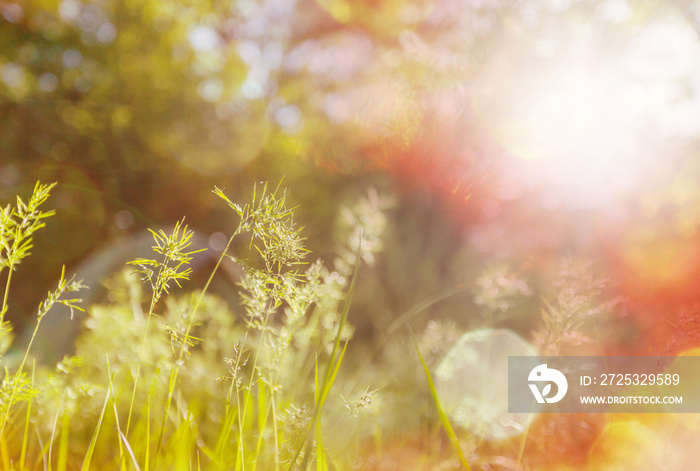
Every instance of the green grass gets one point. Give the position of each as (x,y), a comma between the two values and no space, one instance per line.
(165,378)
(189,384)
(444,419)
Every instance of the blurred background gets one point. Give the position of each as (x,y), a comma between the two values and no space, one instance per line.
(500,133)
(499,138)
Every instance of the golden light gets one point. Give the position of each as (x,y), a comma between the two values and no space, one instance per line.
(587,125)
(583,123)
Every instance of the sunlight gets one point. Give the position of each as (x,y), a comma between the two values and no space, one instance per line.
(579,112)
(583,125)
(587,127)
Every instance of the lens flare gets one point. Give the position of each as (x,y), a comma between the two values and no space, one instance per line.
(580,133)
(587,127)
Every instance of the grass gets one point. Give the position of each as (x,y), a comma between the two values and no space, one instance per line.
(191,383)
(444,419)
(146,386)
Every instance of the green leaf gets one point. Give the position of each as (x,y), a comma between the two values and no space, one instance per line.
(440,409)
(95,434)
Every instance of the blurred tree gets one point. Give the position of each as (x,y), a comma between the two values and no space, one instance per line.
(138,108)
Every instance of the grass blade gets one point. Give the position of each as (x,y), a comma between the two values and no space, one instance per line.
(63,443)
(5,453)
(122,464)
(334,363)
(93,441)
(148,433)
(321,459)
(23,454)
(131,452)
(53,429)
(441,410)
(336,368)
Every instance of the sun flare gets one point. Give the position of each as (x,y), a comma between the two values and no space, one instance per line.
(586,125)
(583,125)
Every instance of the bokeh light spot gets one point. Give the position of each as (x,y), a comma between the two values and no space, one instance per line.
(288,117)
(124,219)
(12,12)
(48,82)
(210,90)
(202,38)
(472,381)
(72,58)
(218,241)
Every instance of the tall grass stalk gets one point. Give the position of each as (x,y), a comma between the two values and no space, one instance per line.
(333,364)
(93,441)
(180,356)
(25,435)
(17,225)
(269,221)
(295,325)
(53,429)
(122,464)
(53,298)
(160,274)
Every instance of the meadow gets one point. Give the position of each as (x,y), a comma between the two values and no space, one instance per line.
(308,234)
(168,378)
